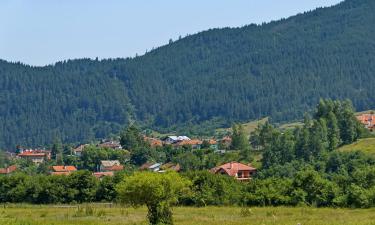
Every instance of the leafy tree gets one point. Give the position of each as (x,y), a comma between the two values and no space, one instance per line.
(57,151)
(155,190)
(239,138)
(310,188)
(83,185)
(132,138)
(140,155)
(333,131)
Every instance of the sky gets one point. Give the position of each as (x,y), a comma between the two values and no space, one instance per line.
(41,32)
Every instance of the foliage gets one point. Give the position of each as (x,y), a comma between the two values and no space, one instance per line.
(155,190)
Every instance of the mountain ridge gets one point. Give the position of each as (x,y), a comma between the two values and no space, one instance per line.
(278,69)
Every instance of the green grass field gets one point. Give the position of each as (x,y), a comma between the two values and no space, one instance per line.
(366,145)
(106,215)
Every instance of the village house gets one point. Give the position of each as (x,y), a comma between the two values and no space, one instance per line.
(226,141)
(110,166)
(160,168)
(79,149)
(8,170)
(36,156)
(63,170)
(154,142)
(194,143)
(154,167)
(240,171)
(368,120)
(213,144)
(175,139)
(111,144)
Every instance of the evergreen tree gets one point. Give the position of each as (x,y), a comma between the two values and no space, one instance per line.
(57,151)
(131,138)
(333,131)
(239,138)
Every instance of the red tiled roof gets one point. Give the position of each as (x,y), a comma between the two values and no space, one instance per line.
(232,168)
(212,142)
(226,139)
(114,168)
(31,154)
(34,153)
(189,142)
(153,141)
(64,168)
(367,119)
(8,170)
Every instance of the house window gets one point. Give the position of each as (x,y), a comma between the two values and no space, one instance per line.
(239,174)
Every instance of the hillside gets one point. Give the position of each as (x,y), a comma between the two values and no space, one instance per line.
(279,69)
(366,145)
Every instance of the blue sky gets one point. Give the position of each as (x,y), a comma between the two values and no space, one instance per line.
(40,32)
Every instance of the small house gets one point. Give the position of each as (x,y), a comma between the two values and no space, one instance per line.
(8,170)
(111,144)
(63,170)
(235,169)
(110,166)
(36,156)
(79,149)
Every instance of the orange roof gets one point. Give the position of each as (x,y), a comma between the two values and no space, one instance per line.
(114,168)
(226,139)
(27,154)
(232,168)
(64,168)
(34,153)
(153,141)
(8,170)
(189,142)
(212,142)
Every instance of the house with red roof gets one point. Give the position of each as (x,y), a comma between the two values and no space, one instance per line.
(110,166)
(63,170)
(111,144)
(36,156)
(368,120)
(154,142)
(194,143)
(79,149)
(8,170)
(235,169)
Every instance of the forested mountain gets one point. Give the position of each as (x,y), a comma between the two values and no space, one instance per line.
(279,69)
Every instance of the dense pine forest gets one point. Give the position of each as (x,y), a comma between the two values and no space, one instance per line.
(279,69)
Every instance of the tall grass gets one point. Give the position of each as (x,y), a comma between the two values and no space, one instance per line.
(97,214)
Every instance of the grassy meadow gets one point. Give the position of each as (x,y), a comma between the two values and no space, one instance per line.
(95,214)
(366,145)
